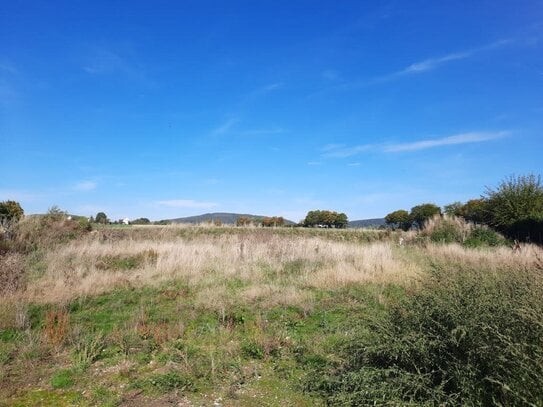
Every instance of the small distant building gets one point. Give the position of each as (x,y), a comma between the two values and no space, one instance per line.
(126,221)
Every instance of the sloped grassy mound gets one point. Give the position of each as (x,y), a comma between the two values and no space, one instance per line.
(466,337)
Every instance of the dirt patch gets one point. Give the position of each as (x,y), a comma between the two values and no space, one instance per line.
(137,398)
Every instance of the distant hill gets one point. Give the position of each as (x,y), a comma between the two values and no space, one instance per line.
(366,223)
(226,218)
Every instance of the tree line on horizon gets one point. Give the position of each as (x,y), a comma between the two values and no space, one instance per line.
(514,208)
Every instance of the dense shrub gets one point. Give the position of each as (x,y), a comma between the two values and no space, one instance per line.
(452,229)
(11,210)
(466,337)
(515,207)
(484,236)
(46,230)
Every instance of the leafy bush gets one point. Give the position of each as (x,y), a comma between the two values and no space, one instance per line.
(466,337)
(11,210)
(483,236)
(452,229)
(516,207)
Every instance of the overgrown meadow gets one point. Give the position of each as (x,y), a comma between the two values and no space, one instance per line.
(249,316)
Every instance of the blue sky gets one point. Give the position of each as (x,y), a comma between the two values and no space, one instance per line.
(164,109)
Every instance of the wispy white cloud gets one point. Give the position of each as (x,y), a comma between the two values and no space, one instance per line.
(463,138)
(342,151)
(186,203)
(435,62)
(353,164)
(224,127)
(262,132)
(432,63)
(85,186)
(425,65)
(259,92)
(270,87)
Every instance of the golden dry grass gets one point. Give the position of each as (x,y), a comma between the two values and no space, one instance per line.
(273,267)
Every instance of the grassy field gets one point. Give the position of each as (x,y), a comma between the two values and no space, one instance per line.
(203,315)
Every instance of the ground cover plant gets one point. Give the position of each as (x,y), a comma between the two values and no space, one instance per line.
(203,315)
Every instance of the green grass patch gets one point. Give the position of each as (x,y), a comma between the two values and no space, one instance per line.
(62,379)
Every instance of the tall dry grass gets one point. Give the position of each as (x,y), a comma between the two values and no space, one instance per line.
(266,264)
(272,267)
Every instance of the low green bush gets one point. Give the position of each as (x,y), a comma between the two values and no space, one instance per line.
(483,236)
(466,337)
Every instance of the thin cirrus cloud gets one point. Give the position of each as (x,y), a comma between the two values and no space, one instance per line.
(186,203)
(433,63)
(463,138)
(85,186)
(224,127)
(342,151)
(423,66)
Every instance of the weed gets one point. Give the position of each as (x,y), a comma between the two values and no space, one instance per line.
(55,329)
(62,379)
(165,382)
(87,348)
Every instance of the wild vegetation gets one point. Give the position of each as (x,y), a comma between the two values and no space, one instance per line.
(246,315)
(514,208)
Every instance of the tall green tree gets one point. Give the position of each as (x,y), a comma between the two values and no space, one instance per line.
(101,217)
(341,221)
(421,213)
(326,218)
(11,211)
(453,209)
(399,218)
(515,207)
(475,210)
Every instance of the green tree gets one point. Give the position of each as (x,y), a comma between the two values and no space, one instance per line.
(421,213)
(326,218)
(515,207)
(101,217)
(341,221)
(399,218)
(11,211)
(141,221)
(453,209)
(474,210)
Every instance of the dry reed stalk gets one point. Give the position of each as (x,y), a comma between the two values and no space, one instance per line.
(55,330)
